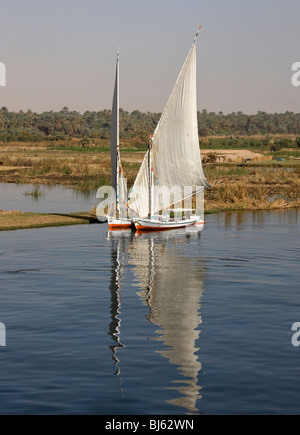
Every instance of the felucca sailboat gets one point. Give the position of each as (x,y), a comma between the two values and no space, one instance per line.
(172,169)
(118,181)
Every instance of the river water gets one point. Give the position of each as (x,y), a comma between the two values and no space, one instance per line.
(173,323)
(50,199)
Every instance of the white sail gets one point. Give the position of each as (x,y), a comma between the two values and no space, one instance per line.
(117,178)
(138,198)
(175,152)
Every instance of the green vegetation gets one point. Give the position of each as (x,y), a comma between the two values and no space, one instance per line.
(136,126)
(63,125)
(254,143)
(287,154)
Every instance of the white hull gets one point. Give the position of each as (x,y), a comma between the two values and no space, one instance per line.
(156,225)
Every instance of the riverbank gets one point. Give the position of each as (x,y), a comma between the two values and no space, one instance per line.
(18,220)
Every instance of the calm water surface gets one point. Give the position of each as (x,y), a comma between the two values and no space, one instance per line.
(172,323)
(52,199)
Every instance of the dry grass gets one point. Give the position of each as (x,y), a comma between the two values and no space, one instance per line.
(84,172)
(255,190)
(16,220)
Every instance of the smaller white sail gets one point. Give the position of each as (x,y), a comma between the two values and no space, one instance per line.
(139,195)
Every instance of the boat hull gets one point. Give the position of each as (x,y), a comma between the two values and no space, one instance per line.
(119,224)
(153,225)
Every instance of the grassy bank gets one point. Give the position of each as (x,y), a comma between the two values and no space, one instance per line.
(16,220)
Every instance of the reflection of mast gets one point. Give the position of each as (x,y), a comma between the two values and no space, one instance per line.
(150,287)
(172,287)
(118,253)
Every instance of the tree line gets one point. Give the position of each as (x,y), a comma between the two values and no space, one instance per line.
(33,127)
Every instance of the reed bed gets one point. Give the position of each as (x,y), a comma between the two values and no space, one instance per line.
(255,190)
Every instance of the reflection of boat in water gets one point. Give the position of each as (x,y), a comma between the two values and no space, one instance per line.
(118,241)
(169,279)
(171,285)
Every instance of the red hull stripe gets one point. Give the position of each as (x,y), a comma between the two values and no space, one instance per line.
(120,227)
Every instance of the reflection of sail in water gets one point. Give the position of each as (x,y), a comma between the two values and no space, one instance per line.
(118,263)
(171,283)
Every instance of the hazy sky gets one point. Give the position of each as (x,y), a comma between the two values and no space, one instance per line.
(62,53)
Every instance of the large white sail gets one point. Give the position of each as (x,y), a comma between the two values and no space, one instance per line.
(175,152)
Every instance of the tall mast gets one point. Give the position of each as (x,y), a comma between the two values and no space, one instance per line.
(114,137)
(118,132)
(150,177)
